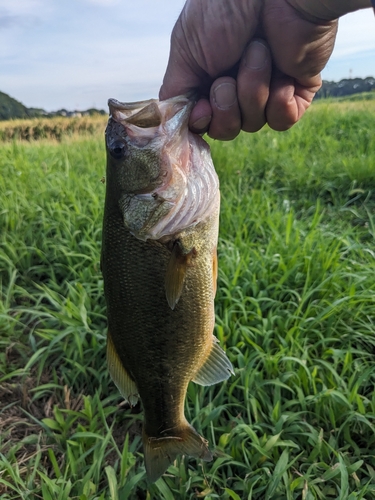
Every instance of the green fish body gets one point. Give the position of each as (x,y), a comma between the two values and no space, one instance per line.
(159,265)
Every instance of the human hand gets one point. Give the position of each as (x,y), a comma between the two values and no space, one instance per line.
(252,61)
(328,10)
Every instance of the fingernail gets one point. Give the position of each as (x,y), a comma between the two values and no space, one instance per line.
(201,123)
(225,95)
(256,56)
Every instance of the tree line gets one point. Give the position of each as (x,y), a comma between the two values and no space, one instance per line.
(11,109)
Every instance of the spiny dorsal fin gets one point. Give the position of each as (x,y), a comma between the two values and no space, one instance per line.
(124,383)
(176,273)
(216,368)
(160,453)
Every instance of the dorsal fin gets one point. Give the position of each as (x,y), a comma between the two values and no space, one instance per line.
(124,383)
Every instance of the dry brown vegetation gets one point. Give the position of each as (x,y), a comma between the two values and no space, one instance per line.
(51,128)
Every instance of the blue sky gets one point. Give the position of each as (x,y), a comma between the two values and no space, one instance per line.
(77,53)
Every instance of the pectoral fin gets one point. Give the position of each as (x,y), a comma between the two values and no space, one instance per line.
(176,273)
(125,384)
(216,368)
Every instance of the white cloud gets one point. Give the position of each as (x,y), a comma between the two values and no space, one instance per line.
(354,53)
(26,9)
(104,3)
(356,34)
(74,53)
(87,53)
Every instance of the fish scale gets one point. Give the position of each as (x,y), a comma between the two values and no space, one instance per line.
(139,315)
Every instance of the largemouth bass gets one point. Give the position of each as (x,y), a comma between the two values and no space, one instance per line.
(159,264)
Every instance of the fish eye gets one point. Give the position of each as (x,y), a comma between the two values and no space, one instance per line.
(117,150)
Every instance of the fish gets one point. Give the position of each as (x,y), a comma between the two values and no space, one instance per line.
(159,265)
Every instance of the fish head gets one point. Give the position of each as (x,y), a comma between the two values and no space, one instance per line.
(159,174)
(139,139)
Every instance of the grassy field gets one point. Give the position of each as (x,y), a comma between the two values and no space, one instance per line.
(295,311)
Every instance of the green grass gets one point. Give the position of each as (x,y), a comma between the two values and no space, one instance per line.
(362,96)
(295,311)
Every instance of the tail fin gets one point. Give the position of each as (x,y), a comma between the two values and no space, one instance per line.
(159,453)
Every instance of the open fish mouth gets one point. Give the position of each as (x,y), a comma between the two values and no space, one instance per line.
(149,113)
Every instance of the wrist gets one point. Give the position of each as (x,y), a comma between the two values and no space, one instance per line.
(327,10)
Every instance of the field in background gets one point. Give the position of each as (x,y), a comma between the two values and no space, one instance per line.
(51,128)
(61,128)
(294,310)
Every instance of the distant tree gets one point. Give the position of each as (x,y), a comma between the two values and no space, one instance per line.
(346,87)
(10,108)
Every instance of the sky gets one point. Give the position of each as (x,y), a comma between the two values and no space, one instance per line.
(75,54)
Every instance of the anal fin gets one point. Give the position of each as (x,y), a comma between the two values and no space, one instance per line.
(176,273)
(124,383)
(216,368)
